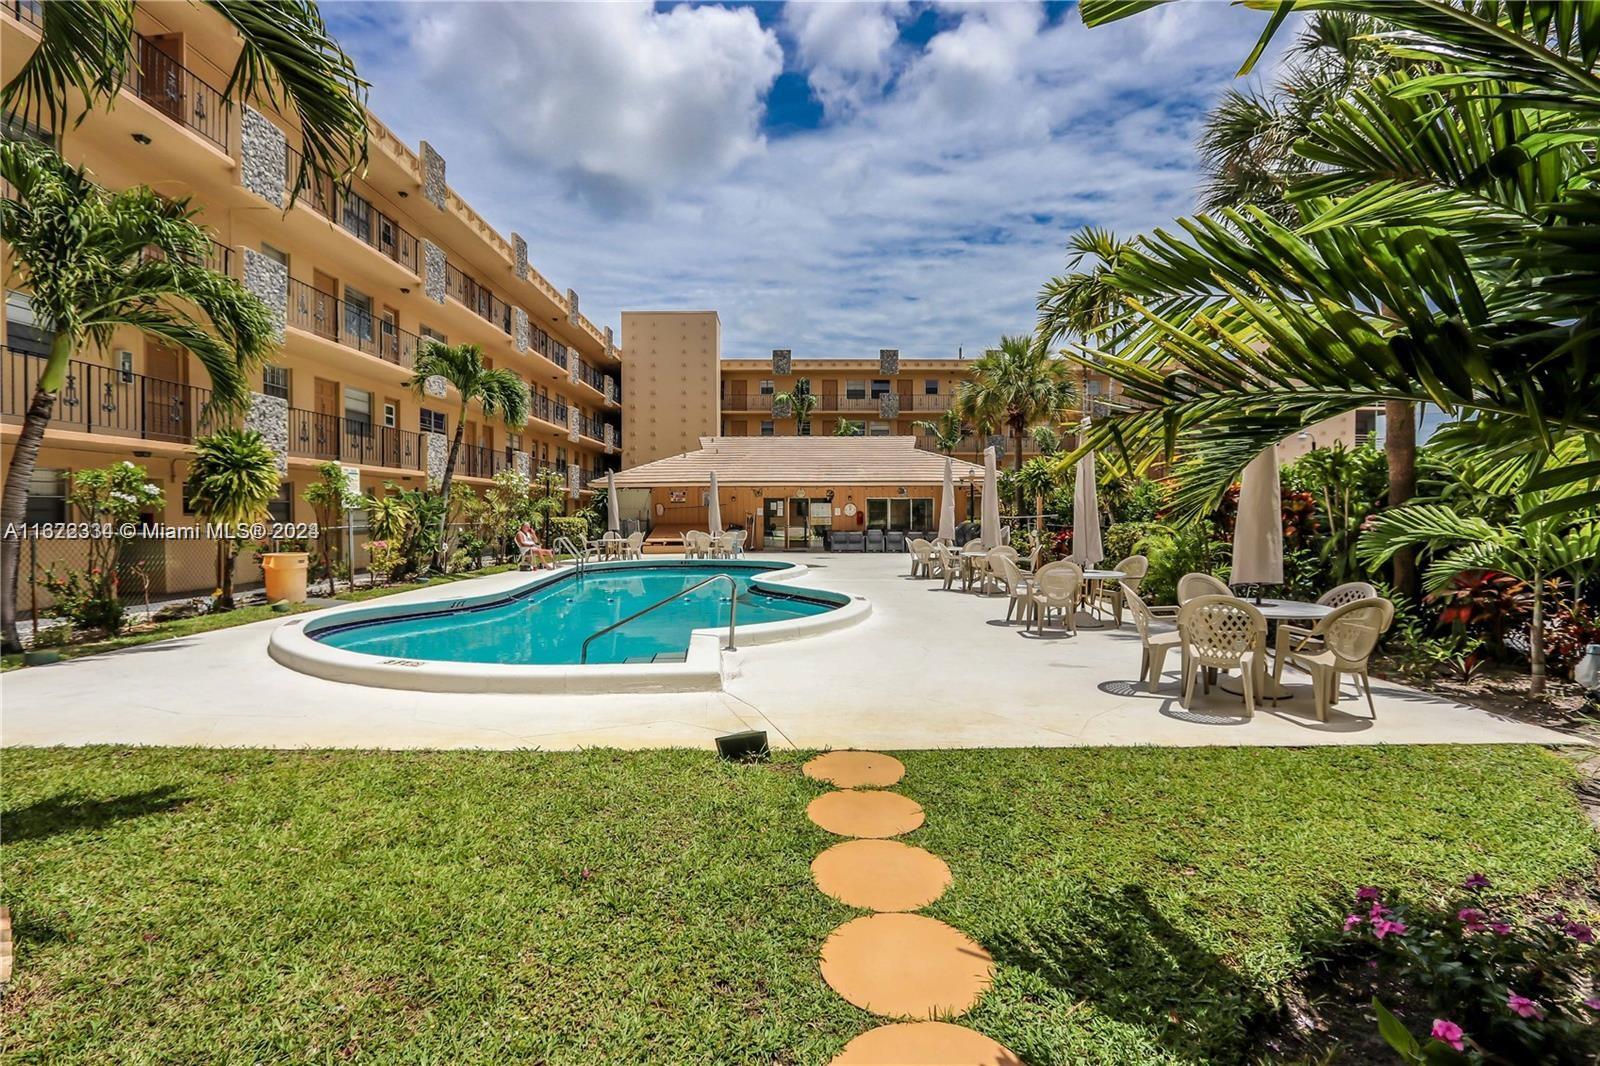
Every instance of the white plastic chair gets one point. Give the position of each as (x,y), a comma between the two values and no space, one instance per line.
(1349,592)
(1158,634)
(1192,585)
(1057,588)
(1222,633)
(1341,642)
(1005,573)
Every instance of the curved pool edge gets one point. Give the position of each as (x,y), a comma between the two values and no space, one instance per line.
(291,645)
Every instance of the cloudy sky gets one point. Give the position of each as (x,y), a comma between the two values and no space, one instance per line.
(830,177)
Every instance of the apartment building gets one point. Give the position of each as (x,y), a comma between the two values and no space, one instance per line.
(361,279)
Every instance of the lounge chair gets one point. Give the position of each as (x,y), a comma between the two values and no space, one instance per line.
(894,542)
(1158,634)
(1222,633)
(1341,642)
(530,551)
(1192,585)
(874,540)
(1057,589)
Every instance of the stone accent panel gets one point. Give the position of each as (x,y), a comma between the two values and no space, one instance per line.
(889,405)
(611,345)
(269,280)
(438,455)
(269,416)
(433,183)
(572,481)
(522,463)
(780,408)
(519,256)
(888,361)
(572,307)
(436,386)
(782,360)
(433,279)
(609,432)
(572,424)
(572,365)
(263,164)
(521,333)
(610,388)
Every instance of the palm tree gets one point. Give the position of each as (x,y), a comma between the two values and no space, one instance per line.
(947,431)
(847,428)
(92,262)
(1014,388)
(1083,302)
(233,476)
(287,58)
(798,402)
(498,392)
(1444,253)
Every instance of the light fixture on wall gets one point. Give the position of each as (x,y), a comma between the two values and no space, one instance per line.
(140,138)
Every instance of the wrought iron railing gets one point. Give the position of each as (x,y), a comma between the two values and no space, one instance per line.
(177,92)
(591,376)
(590,427)
(354,214)
(477,296)
(314,435)
(218,257)
(29,11)
(475,460)
(104,399)
(333,319)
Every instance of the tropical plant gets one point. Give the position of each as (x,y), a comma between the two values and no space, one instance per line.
(1038,478)
(1175,549)
(1443,253)
(847,428)
(92,262)
(330,497)
(1013,388)
(233,476)
(1082,302)
(549,490)
(507,506)
(287,58)
(947,431)
(798,402)
(498,392)
(112,498)
(389,514)
(1349,485)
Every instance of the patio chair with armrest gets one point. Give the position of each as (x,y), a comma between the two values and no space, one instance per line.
(921,557)
(874,540)
(736,541)
(1009,577)
(1058,589)
(1192,585)
(1158,634)
(1133,569)
(1349,592)
(1222,633)
(1341,642)
(530,551)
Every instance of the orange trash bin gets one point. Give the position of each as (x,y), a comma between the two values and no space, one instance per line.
(285,575)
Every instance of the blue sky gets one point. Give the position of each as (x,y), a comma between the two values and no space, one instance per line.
(832,177)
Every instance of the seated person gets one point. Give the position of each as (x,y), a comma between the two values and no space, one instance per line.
(532,553)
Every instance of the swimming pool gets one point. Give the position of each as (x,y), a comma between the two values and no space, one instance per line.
(549,623)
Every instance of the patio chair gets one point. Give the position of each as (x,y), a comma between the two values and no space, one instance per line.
(1349,592)
(1158,634)
(1057,589)
(921,557)
(874,540)
(1222,633)
(696,544)
(530,551)
(1341,642)
(1008,576)
(1134,567)
(894,542)
(634,545)
(1192,585)
(736,541)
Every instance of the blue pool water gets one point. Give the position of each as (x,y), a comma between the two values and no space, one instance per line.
(547,625)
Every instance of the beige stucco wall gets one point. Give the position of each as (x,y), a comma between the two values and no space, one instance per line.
(669,398)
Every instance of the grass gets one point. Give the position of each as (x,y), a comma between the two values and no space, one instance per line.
(377,591)
(602,906)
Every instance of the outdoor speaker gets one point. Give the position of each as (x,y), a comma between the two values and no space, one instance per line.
(747,746)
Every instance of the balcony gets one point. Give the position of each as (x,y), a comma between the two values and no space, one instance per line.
(105,400)
(548,409)
(218,258)
(974,444)
(548,347)
(477,297)
(591,376)
(334,320)
(327,437)
(591,427)
(746,402)
(474,460)
(356,215)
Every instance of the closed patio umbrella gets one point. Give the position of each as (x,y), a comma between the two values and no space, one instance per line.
(714,515)
(947,506)
(989,524)
(1258,531)
(1086,547)
(612,523)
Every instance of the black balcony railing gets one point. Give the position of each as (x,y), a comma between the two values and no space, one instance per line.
(218,257)
(591,427)
(470,292)
(355,327)
(475,460)
(353,440)
(549,347)
(591,376)
(354,214)
(177,92)
(29,11)
(103,399)
(549,409)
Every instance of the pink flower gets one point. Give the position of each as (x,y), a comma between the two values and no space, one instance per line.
(1476,881)
(1449,1032)
(1524,1007)
(1378,911)
(1499,929)
(1583,934)
(1593,1003)
(1351,921)
(1384,927)
(1471,919)
(1366,892)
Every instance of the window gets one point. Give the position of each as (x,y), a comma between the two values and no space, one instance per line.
(1094,388)
(281,507)
(357,314)
(47,497)
(429,331)
(766,387)
(275,381)
(431,421)
(391,417)
(22,330)
(930,387)
(766,427)
(357,408)
(855,390)
(879,429)
(880,387)
(900,514)
(277,255)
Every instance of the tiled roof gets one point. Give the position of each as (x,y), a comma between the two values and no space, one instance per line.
(799,461)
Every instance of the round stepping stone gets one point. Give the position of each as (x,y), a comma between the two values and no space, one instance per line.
(865,814)
(856,769)
(906,966)
(881,875)
(924,1044)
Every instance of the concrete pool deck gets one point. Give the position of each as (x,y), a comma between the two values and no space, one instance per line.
(927,669)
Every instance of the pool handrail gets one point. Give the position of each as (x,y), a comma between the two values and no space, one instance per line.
(733,610)
(579,555)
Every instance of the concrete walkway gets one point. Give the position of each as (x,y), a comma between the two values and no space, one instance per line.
(927,669)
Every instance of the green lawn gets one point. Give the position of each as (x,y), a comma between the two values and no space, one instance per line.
(601,906)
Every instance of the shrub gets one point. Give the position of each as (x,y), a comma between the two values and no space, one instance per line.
(574,527)
(1505,988)
(1175,550)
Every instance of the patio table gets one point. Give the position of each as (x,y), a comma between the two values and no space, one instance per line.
(1090,579)
(1275,611)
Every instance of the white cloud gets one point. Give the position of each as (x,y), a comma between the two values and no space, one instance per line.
(924,214)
